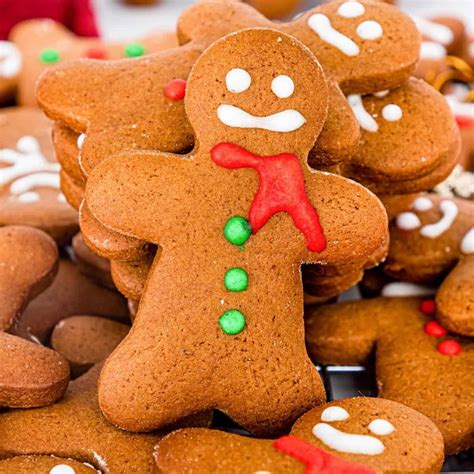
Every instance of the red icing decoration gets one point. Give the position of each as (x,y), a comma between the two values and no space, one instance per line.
(96,53)
(281,189)
(434,329)
(428,307)
(316,460)
(175,89)
(464,122)
(449,347)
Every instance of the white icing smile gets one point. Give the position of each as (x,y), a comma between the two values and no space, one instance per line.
(349,442)
(285,121)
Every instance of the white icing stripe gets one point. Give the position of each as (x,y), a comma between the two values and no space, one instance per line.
(407,221)
(467,244)
(402,289)
(449,211)
(422,204)
(432,50)
(351,9)
(439,33)
(366,121)
(321,25)
(334,414)
(10,60)
(381,427)
(348,442)
(285,121)
(35,180)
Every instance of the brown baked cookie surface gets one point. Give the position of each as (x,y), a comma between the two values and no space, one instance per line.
(29,175)
(44,465)
(354,435)
(417,362)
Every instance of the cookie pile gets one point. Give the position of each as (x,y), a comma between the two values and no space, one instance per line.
(177,227)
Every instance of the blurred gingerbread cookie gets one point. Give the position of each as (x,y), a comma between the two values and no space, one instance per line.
(10,66)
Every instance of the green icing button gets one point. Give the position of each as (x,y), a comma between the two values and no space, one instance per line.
(49,56)
(237,230)
(236,279)
(134,50)
(232,322)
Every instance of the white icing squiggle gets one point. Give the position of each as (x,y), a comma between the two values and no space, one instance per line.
(10,60)
(449,210)
(381,427)
(36,180)
(467,244)
(334,414)
(285,121)
(321,25)
(400,289)
(348,442)
(366,121)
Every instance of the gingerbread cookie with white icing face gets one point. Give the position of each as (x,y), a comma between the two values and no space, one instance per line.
(45,43)
(10,66)
(396,155)
(76,428)
(417,362)
(255,127)
(354,435)
(29,176)
(44,465)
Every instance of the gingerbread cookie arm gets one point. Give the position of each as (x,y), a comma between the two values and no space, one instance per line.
(343,333)
(455,298)
(130,277)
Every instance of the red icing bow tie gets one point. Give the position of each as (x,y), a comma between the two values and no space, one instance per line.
(281,189)
(316,460)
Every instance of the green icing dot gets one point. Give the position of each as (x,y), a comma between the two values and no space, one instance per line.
(237,230)
(133,50)
(232,322)
(236,279)
(49,56)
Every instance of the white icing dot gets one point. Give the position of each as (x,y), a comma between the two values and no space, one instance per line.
(402,289)
(238,80)
(422,204)
(351,9)
(449,210)
(392,113)
(62,469)
(27,144)
(283,86)
(432,50)
(381,427)
(467,244)
(369,30)
(80,140)
(334,414)
(408,221)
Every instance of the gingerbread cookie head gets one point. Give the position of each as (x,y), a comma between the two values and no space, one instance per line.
(29,176)
(396,153)
(418,363)
(282,105)
(10,65)
(262,211)
(357,435)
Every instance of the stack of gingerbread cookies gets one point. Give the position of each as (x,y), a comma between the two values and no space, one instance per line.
(171,260)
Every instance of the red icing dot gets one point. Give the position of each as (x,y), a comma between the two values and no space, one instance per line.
(96,53)
(434,329)
(428,307)
(449,347)
(175,89)
(464,122)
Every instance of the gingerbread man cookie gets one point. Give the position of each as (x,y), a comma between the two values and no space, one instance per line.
(45,43)
(397,154)
(355,435)
(75,428)
(29,176)
(44,465)
(255,126)
(417,362)
(30,374)
(10,65)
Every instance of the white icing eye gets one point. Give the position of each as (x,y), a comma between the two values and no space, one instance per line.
(381,427)
(408,221)
(422,204)
(369,30)
(238,80)
(334,414)
(283,86)
(351,9)
(392,113)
